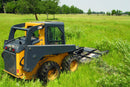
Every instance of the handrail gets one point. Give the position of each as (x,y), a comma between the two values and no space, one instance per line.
(19,28)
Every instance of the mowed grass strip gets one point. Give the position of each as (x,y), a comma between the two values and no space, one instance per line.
(102,32)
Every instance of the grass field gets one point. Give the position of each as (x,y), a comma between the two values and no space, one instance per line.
(102,32)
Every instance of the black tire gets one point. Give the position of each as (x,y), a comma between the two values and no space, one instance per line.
(67,61)
(46,68)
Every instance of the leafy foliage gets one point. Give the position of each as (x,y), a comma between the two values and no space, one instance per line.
(38,7)
(89,11)
(65,9)
(70,10)
(116,12)
(108,13)
(129,13)
(1,7)
(113,12)
(22,7)
(10,7)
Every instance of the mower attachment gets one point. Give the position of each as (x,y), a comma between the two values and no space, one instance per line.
(85,54)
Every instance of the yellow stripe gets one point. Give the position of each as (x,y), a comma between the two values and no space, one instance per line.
(11,74)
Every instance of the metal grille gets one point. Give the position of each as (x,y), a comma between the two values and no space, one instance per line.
(10,62)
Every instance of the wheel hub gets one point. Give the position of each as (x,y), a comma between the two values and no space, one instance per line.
(52,74)
(73,66)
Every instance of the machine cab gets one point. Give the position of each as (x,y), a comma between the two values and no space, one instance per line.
(34,33)
(52,33)
(37,33)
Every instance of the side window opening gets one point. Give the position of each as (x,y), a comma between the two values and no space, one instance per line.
(54,35)
(35,36)
(19,33)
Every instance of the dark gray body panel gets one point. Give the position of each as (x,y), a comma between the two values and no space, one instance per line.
(34,53)
(9,61)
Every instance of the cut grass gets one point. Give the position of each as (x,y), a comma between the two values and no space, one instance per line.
(102,32)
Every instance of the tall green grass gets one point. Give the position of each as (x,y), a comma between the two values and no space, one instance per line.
(102,32)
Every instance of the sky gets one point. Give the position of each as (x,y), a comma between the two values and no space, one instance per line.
(98,5)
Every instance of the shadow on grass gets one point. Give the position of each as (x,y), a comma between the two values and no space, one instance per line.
(52,19)
(29,19)
(48,20)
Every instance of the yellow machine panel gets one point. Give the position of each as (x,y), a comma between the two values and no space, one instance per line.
(29,75)
(41,32)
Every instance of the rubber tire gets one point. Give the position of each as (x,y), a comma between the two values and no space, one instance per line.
(67,61)
(43,71)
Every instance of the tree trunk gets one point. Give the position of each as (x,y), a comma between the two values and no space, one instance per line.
(47,16)
(36,17)
(3,4)
(4,9)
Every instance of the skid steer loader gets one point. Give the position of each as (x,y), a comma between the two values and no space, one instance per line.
(41,51)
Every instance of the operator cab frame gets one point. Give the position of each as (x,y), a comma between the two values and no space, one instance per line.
(53,32)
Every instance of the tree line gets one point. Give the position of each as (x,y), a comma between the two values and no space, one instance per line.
(113,12)
(46,7)
(37,7)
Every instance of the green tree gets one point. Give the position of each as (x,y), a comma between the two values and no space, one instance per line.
(129,13)
(113,12)
(65,9)
(4,3)
(81,11)
(1,7)
(51,6)
(33,7)
(36,7)
(77,10)
(59,10)
(118,12)
(108,13)
(54,7)
(101,12)
(46,4)
(22,7)
(10,7)
(125,12)
(28,6)
(72,9)
(89,11)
